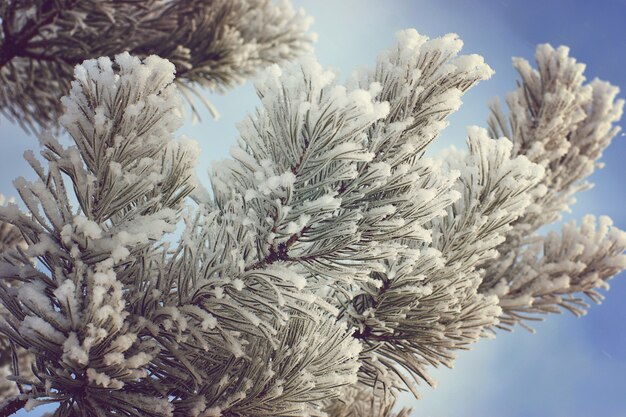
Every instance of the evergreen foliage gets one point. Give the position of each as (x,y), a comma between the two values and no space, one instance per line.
(330,265)
(213,44)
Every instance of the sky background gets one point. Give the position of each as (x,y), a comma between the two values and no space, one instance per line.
(570,367)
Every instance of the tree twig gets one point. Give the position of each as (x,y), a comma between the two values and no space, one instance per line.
(12,406)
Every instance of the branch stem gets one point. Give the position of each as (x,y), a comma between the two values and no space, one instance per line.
(12,406)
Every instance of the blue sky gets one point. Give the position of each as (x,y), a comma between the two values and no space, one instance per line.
(571,367)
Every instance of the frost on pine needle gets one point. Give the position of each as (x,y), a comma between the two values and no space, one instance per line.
(331,265)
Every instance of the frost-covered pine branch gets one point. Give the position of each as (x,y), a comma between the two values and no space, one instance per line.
(331,265)
(10,236)
(214,45)
(563,124)
(10,239)
(129,180)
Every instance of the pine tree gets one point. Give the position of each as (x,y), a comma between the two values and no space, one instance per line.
(330,265)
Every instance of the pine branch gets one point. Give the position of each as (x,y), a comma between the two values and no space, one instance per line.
(14,44)
(558,121)
(280,253)
(213,45)
(12,406)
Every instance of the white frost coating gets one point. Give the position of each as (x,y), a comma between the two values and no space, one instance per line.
(475,65)
(119,254)
(113,358)
(73,352)
(66,294)
(138,360)
(299,281)
(209,322)
(124,342)
(35,328)
(212,412)
(238,284)
(326,202)
(103,380)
